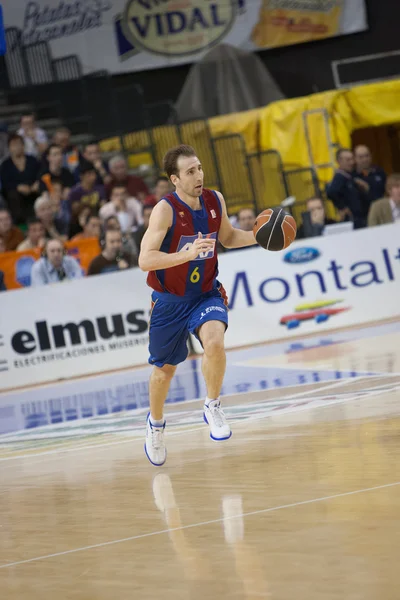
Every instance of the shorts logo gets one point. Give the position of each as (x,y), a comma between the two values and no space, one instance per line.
(213,214)
(211,309)
(186,242)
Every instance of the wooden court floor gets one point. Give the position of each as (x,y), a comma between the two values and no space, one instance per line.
(302,503)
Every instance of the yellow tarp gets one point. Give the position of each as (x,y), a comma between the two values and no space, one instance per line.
(280,125)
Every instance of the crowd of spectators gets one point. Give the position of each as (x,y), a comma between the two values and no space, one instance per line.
(53,191)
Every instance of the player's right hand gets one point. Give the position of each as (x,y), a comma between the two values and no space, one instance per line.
(199,246)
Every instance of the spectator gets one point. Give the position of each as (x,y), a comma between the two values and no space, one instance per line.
(127,210)
(12,236)
(141,230)
(35,139)
(119,175)
(88,191)
(112,257)
(245,219)
(36,236)
(314,220)
(91,228)
(54,266)
(62,137)
(55,172)
(92,155)
(387,210)
(128,244)
(78,219)
(19,179)
(54,228)
(162,188)
(3,287)
(2,246)
(350,196)
(373,176)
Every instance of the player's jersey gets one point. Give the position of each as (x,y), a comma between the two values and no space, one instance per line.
(198,276)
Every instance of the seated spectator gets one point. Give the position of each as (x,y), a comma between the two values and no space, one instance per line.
(350,196)
(112,257)
(141,230)
(119,175)
(62,137)
(162,188)
(127,210)
(12,236)
(2,246)
(387,210)
(128,243)
(3,287)
(374,177)
(87,192)
(55,172)
(91,228)
(35,139)
(54,266)
(78,219)
(36,236)
(314,220)
(19,180)
(54,228)
(246,219)
(92,155)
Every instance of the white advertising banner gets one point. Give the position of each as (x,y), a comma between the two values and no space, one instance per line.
(100,323)
(133,35)
(316,284)
(73,328)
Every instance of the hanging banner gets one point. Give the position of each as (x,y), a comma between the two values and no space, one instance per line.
(17,266)
(133,35)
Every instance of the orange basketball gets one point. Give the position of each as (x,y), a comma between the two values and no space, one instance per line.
(274,229)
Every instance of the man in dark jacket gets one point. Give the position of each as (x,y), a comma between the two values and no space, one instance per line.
(373,176)
(349,195)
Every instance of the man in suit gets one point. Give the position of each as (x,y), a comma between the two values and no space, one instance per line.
(387,210)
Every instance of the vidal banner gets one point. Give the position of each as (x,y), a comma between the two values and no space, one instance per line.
(133,35)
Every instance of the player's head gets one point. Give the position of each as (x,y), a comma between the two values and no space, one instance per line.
(184,170)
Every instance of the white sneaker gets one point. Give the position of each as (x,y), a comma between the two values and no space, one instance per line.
(154,445)
(214,416)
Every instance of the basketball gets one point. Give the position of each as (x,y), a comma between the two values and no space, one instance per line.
(274,229)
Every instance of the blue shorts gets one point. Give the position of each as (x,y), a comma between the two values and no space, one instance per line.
(173,319)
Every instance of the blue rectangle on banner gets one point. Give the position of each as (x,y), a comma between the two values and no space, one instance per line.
(3,46)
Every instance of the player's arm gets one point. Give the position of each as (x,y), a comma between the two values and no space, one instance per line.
(228,235)
(151,259)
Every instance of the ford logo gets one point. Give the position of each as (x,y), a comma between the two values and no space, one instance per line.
(301,255)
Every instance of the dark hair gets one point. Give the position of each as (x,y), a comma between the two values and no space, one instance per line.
(118,186)
(246,208)
(93,143)
(107,223)
(171,158)
(51,148)
(341,151)
(91,215)
(33,221)
(13,137)
(28,114)
(86,167)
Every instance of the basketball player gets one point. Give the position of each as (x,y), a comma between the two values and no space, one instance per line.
(179,251)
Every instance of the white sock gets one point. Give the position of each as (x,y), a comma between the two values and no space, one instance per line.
(156,423)
(209,400)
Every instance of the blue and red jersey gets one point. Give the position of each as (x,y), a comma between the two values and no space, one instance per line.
(198,276)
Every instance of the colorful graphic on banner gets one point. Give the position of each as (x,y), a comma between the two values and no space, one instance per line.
(132,35)
(17,266)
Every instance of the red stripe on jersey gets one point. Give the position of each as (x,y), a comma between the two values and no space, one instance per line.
(224,295)
(214,221)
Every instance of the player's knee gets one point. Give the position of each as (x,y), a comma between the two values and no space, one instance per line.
(164,373)
(214,345)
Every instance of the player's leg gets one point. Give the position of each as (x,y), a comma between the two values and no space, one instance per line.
(208,322)
(168,347)
(211,335)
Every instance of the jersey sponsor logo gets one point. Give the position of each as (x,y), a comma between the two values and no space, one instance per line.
(186,242)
